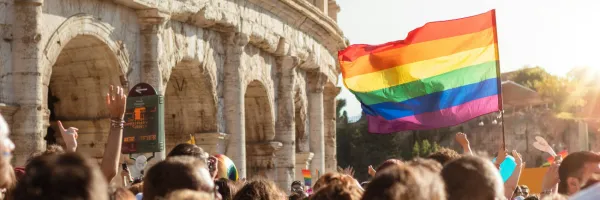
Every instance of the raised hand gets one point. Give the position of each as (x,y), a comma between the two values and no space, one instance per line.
(501,155)
(518,158)
(372,171)
(551,178)
(461,138)
(115,101)
(70,136)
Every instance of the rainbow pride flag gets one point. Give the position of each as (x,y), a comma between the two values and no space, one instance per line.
(307,177)
(443,74)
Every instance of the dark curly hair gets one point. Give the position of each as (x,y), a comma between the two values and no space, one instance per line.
(259,190)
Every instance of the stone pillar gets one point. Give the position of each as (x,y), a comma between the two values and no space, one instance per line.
(28,127)
(303,160)
(213,143)
(151,27)
(262,164)
(334,9)
(330,136)
(234,99)
(285,127)
(316,125)
(322,5)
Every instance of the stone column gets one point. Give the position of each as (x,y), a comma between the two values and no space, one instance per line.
(234,99)
(322,5)
(28,127)
(262,164)
(285,127)
(151,27)
(334,9)
(303,160)
(330,135)
(316,124)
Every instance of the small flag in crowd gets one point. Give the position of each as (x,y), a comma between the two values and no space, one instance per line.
(192,140)
(307,177)
(442,74)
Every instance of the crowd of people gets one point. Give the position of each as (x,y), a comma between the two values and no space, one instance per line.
(189,173)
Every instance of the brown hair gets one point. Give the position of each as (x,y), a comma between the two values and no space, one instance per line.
(121,194)
(259,190)
(185,149)
(52,149)
(66,176)
(176,173)
(137,188)
(413,181)
(332,177)
(573,166)
(444,155)
(227,188)
(338,190)
(472,177)
(388,163)
(187,194)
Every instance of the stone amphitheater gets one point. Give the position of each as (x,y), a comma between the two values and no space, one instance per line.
(252,79)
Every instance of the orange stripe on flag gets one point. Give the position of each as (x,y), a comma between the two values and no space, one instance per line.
(417,52)
(428,32)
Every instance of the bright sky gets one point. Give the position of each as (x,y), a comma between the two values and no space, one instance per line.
(555,34)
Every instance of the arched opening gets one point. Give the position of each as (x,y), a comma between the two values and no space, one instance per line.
(300,116)
(190,105)
(76,92)
(329,115)
(260,131)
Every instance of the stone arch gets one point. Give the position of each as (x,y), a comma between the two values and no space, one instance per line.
(260,131)
(330,92)
(258,113)
(76,88)
(83,25)
(190,104)
(81,59)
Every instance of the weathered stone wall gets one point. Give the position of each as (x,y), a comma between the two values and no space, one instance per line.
(235,74)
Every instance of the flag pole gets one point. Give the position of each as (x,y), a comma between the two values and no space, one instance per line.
(499,75)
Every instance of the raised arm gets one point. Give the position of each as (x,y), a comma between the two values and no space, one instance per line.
(115,101)
(461,138)
(511,184)
(69,136)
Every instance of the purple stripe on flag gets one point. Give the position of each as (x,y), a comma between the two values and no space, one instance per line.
(438,119)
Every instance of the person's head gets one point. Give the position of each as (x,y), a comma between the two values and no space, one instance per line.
(296,196)
(332,177)
(444,155)
(472,177)
(227,188)
(66,176)
(6,148)
(121,194)
(52,149)
(176,173)
(137,188)
(185,149)
(297,187)
(388,163)
(576,170)
(259,190)
(524,190)
(555,196)
(338,190)
(428,164)
(186,194)
(532,198)
(411,181)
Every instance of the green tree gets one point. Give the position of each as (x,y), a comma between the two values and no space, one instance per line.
(416,150)
(436,147)
(425,148)
(340,104)
(556,89)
